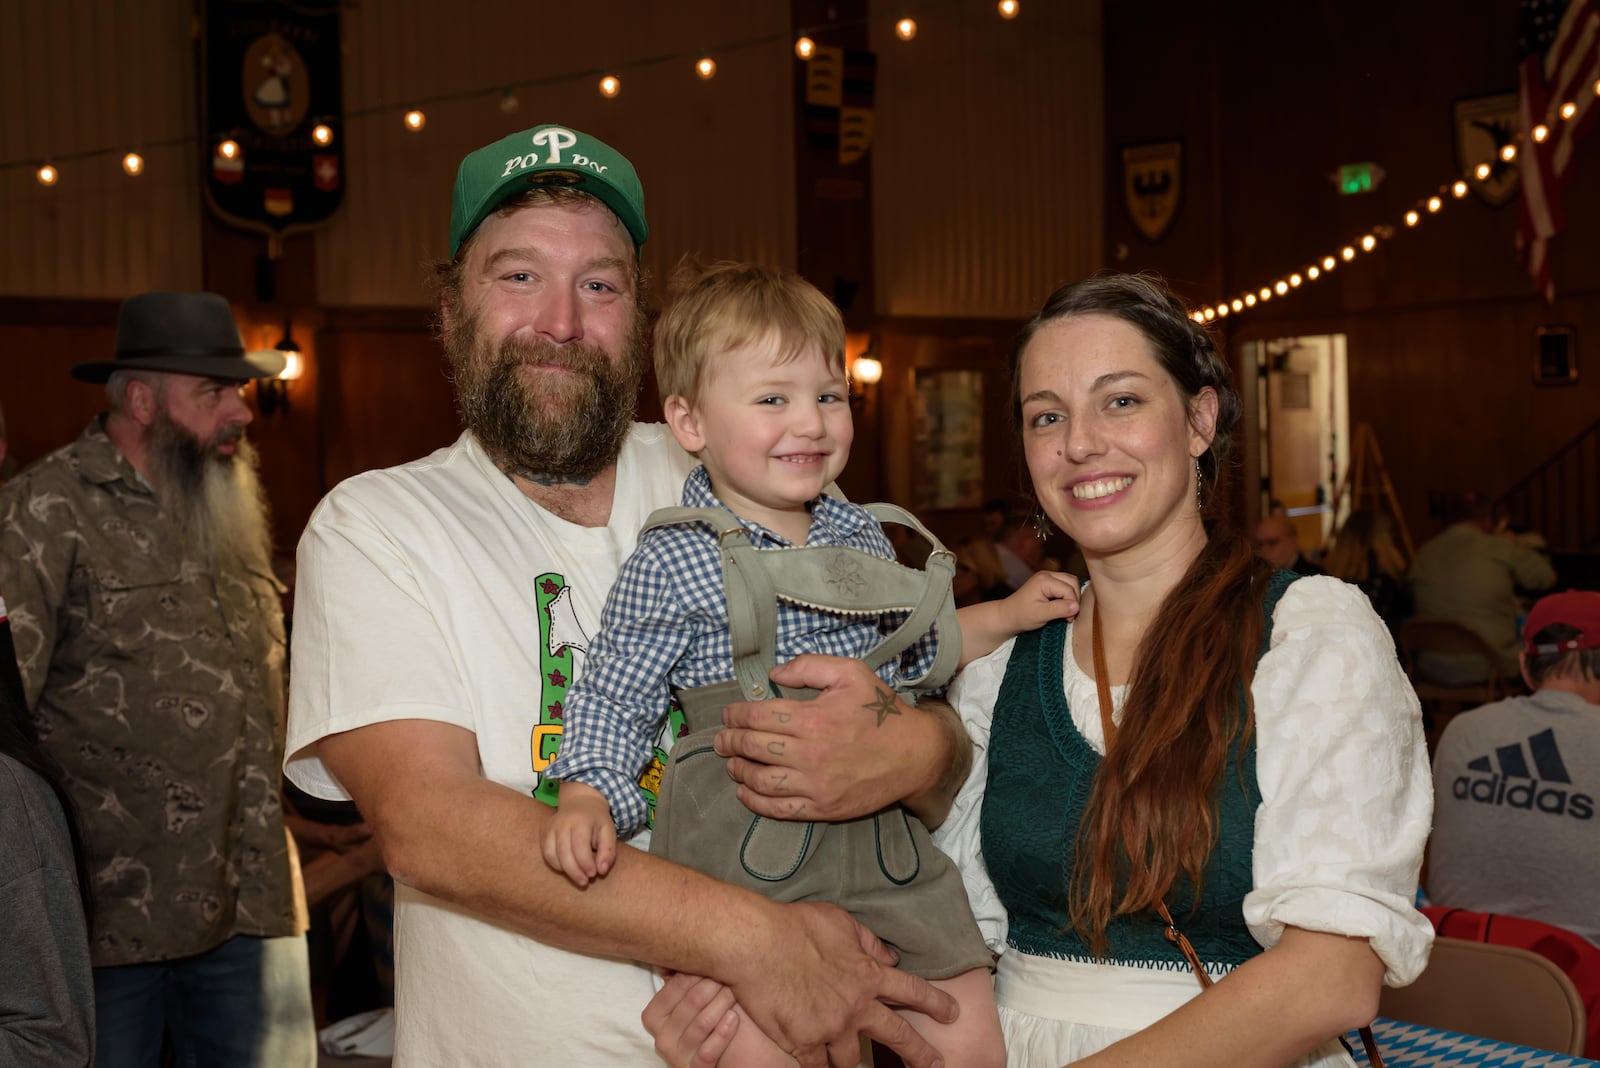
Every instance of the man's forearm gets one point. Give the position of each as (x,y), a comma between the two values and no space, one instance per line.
(933,805)
(454,835)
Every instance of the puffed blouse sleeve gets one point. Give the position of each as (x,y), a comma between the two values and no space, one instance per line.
(1346,791)
(973,695)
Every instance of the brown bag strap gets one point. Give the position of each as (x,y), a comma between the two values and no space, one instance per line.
(1102,685)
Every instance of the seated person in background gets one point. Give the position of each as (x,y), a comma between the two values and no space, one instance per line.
(1364,554)
(996,514)
(980,576)
(1515,783)
(751,362)
(1470,573)
(1278,543)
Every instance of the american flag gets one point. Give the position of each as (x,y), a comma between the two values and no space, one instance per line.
(1560,50)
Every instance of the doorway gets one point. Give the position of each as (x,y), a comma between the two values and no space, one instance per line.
(1302,430)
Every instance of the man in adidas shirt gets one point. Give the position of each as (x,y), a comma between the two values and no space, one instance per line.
(1515,783)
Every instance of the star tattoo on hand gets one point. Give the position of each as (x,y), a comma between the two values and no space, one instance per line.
(885,706)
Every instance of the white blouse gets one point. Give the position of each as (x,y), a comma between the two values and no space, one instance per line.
(1346,791)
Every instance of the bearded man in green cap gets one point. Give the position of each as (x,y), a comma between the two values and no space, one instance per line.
(443,609)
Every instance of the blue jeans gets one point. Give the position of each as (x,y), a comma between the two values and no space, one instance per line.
(245,1004)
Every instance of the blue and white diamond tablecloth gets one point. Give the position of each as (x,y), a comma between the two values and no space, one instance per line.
(1406,1045)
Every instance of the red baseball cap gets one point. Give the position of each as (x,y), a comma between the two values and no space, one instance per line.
(1575,608)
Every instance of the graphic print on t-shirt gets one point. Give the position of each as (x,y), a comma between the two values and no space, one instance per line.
(560,636)
(1507,777)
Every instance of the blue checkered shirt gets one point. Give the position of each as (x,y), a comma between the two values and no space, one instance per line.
(665,625)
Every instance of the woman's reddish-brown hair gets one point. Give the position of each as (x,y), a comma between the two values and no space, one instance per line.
(1152,813)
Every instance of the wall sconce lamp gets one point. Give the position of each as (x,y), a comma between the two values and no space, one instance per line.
(272,394)
(865,370)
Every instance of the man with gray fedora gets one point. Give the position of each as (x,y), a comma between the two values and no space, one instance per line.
(136,563)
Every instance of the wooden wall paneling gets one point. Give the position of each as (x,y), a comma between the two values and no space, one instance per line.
(387,398)
(910,346)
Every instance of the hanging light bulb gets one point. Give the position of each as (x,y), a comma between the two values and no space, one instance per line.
(1008,8)
(133,164)
(228,149)
(1281,288)
(1313,272)
(706,68)
(1222,310)
(1250,300)
(610,86)
(1238,305)
(1508,152)
(1209,314)
(905,29)
(1199,316)
(1369,243)
(1541,131)
(47,175)
(1348,253)
(1459,189)
(1412,218)
(322,134)
(1434,204)
(1295,280)
(804,47)
(1483,172)
(1329,263)
(415,120)
(1568,110)
(1265,293)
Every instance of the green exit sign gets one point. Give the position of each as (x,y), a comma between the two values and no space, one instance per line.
(1356,178)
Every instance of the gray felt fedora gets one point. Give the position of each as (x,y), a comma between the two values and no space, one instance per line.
(185,333)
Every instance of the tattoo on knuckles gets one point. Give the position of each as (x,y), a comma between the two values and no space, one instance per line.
(775,748)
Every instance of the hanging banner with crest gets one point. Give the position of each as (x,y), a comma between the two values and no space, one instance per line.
(1152,186)
(271,83)
(1484,125)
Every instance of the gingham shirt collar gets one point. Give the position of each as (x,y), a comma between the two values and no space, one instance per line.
(829,516)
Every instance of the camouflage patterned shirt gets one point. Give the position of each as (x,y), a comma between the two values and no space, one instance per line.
(157,683)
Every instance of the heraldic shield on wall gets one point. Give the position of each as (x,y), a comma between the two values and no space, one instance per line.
(1152,186)
(271,77)
(1484,125)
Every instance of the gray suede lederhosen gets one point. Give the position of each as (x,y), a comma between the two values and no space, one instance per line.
(883,869)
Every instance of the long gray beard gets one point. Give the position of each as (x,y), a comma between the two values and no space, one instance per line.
(218,502)
(566,434)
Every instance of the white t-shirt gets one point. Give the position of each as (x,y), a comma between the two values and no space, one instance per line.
(1346,797)
(437,591)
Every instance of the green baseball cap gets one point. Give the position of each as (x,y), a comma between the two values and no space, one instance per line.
(545,155)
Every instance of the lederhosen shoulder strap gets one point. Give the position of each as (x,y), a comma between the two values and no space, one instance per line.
(833,578)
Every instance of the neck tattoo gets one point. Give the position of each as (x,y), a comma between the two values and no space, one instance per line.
(515,471)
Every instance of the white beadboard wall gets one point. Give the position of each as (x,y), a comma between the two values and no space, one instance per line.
(81,75)
(987,157)
(989,170)
(715,157)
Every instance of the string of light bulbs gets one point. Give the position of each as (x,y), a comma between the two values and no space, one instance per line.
(1424,206)
(414,116)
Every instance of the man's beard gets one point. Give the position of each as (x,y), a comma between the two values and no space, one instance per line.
(216,499)
(567,430)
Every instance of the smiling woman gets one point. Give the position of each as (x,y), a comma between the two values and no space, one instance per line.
(1208,735)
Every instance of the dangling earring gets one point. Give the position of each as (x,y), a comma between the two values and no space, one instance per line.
(1199,484)
(1041,525)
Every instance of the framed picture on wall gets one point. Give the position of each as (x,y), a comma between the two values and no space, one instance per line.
(1555,356)
(948,433)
